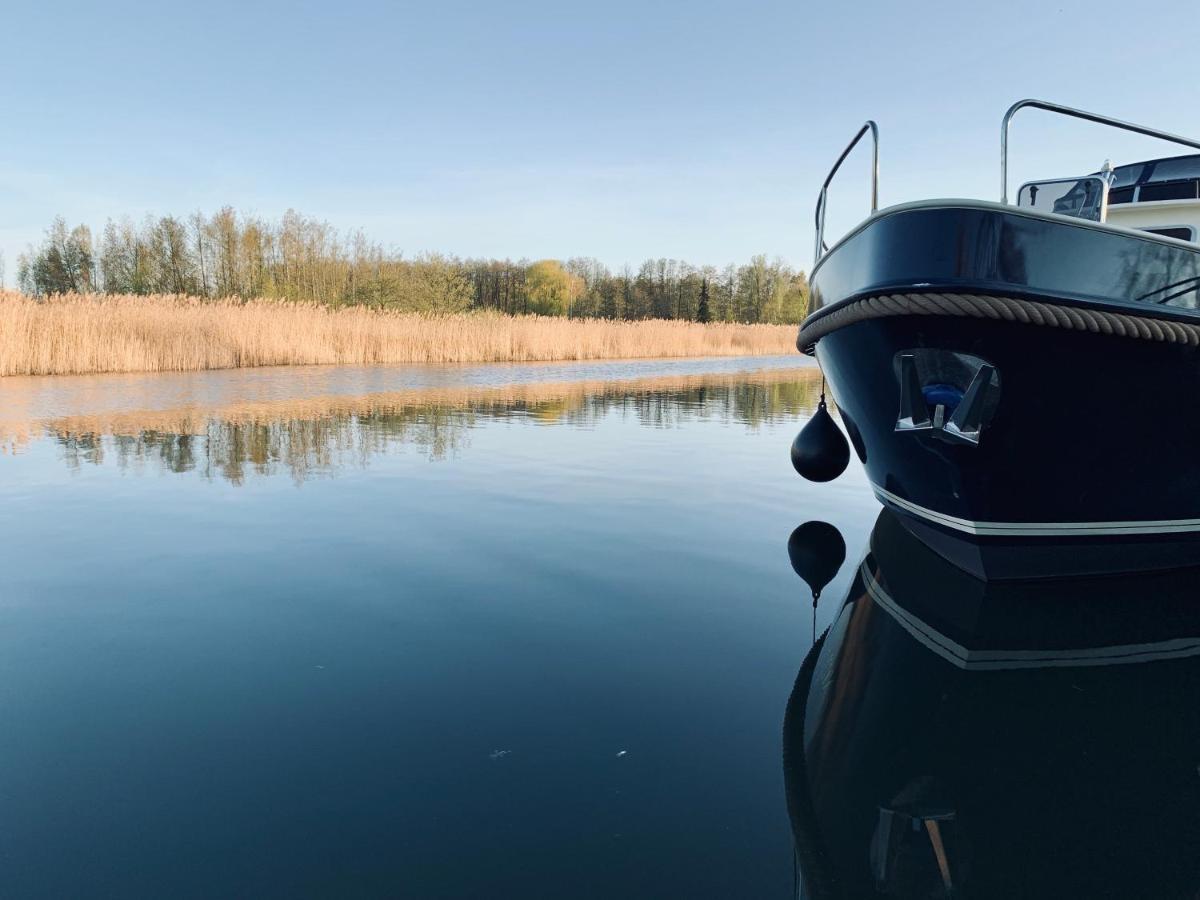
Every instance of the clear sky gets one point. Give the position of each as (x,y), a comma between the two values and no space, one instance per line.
(620,130)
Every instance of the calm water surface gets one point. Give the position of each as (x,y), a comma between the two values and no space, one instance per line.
(445,631)
(534,631)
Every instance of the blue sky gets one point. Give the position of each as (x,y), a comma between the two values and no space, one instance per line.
(623,130)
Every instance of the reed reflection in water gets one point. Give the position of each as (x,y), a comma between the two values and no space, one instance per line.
(256,623)
(315,437)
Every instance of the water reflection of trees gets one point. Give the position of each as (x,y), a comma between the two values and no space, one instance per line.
(312,439)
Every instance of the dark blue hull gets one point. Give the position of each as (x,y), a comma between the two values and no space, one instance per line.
(1088,458)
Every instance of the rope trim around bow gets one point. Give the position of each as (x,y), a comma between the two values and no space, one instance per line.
(1004,309)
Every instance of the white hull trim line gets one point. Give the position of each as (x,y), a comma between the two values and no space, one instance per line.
(1037,529)
(993,660)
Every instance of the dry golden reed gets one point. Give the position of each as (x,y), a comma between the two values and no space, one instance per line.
(83,334)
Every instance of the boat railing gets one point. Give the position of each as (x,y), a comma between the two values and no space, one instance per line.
(869,126)
(1078,114)
(823,196)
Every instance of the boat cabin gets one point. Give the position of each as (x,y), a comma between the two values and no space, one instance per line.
(1160,196)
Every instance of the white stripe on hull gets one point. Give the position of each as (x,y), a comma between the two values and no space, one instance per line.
(991,660)
(1038,529)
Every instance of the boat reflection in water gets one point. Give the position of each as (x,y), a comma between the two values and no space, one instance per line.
(952,738)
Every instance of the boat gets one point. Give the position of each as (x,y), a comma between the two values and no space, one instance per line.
(1016,376)
(951,737)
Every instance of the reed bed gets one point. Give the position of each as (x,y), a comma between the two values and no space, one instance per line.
(77,334)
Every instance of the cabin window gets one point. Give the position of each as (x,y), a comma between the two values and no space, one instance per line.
(1170,190)
(1120,195)
(1182,232)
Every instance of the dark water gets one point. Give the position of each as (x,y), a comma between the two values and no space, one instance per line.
(534,631)
(403,632)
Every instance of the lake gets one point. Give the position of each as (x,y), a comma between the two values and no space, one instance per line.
(534,631)
(413,631)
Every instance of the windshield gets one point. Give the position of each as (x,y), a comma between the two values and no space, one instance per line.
(1078,197)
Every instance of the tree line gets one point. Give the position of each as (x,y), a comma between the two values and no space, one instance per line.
(298,258)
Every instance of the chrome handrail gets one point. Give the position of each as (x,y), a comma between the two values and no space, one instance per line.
(1078,114)
(820,212)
